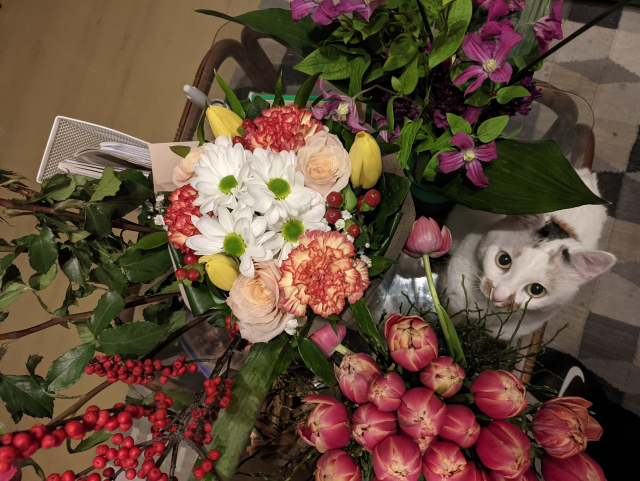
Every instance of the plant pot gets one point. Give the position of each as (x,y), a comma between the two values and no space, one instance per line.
(427,203)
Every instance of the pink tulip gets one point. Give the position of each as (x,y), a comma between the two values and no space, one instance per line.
(460,426)
(355,373)
(412,343)
(327,426)
(580,467)
(443,376)
(504,448)
(427,238)
(327,339)
(421,413)
(371,426)
(499,394)
(528,475)
(397,458)
(444,461)
(563,426)
(336,465)
(386,391)
(475,473)
(424,443)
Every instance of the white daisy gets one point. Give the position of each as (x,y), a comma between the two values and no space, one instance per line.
(221,173)
(238,233)
(289,231)
(275,189)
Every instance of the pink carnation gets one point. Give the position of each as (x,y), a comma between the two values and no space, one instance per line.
(322,273)
(178,216)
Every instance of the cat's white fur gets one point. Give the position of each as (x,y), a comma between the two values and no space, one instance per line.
(478,238)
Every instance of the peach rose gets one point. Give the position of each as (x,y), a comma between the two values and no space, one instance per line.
(184,170)
(255,302)
(325,163)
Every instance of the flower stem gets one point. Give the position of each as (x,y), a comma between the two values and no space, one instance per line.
(306,458)
(436,302)
(343,350)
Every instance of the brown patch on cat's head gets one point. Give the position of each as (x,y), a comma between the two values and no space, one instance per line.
(565,227)
(516,253)
(487,286)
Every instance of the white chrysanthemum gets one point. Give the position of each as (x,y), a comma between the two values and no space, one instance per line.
(221,174)
(286,239)
(275,189)
(238,233)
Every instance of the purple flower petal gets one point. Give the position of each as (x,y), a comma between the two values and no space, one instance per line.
(353,119)
(472,114)
(468,73)
(506,43)
(517,5)
(481,78)
(497,9)
(476,175)
(462,141)
(326,13)
(474,47)
(486,152)
(350,6)
(301,8)
(450,161)
(320,113)
(368,10)
(501,74)
(556,11)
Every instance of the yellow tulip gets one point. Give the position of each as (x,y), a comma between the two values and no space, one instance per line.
(366,161)
(222,270)
(223,121)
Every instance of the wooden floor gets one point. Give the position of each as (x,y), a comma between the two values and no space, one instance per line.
(117,63)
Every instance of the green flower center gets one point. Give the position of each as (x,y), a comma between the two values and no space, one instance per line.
(469,155)
(292,230)
(490,66)
(279,187)
(227,183)
(234,245)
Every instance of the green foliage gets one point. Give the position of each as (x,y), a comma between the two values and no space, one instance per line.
(507,94)
(328,61)
(151,241)
(131,340)
(40,281)
(365,322)
(231,97)
(314,359)
(359,66)
(407,137)
(379,264)
(304,92)
(278,99)
(145,265)
(181,150)
(181,398)
(109,306)
(447,42)
(22,395)
(402,50)
(393,189)
(258,104)
(490,129)
(68,368)
(43,250)
(99,437)
(458,124)
(110,275)
(109,185)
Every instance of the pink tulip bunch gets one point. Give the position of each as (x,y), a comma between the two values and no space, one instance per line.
(412,342)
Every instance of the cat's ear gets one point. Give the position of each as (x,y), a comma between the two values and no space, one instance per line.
(591,263)
(533,221)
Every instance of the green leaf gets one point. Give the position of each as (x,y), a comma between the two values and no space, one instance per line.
(409,78)
(328,61)
(278,100)
(350,199)
(32,364)
(12,286)
(181,398)
(458,353)
(109,306)
(96,222)
(386,149)
(359,66)
(401,51)
(78,235)
(490,129)
(68,368)
(480,97)
(314,359)
(513,134)
(365,322)
(111,276)
(448,41)
(200,129)
(36,467)
(407,137)
(432,167)
(199,295)
(258,104)
(64,193)
(373,26)
(99,437)
(283,362)
(302,96)
(379,264)
(40,281)
(43,250)
(151,241)
(528,46)
(84,333)
(3,316)
(131,340)
(75,262)
(390,116)
(109,185)
(181,150)
(526,178)
(145,265)
(376,72)
(507,94)
(393,189)
(21,395)
(236,106)
(458,124)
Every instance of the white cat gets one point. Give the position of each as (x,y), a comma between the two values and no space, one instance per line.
(511,259)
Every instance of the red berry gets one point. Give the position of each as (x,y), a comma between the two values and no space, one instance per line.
(7,454)
(130,473)
(68,476)
(6,439)
(109,472)
(123,453)
(353,230)
(21,441)
(163,379)
(117,439)
(53,477)
(213,455)
(181,274)
(124,417)
(4,467)
(48,441)
(190,259)
(102,449)
(198,472)
(99,462)
(360,199)
(332,215)
(247,124)
(111,454)
(94,477)
(38,431)
(334,199)
(372,197)
(127,442)
(193,367)
(207,466)
(111,424)
(238,140)
(154,474)
(193,275)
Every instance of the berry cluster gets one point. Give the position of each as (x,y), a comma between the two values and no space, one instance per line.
(233,329)
(191,272)
(137,372)
(336,201)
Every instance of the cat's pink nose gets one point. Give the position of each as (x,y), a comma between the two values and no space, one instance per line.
(498,296)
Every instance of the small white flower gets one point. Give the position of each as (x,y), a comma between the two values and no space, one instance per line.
(346,215)
(159,201)
(159,220)
(324,127)
(324,221)
(291,327)
(365,259)
(340,224)
(367,245)
(349,238)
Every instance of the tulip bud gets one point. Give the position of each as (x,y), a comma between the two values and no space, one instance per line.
(327,339)
(528,475)
(366,161)
(444,461)
(443,376)
(327,426)
(397,458)
(421,413)
(499,394)
(504,448)
(221,269)
(460,426)
(424,443)
(386,391)
(427,238)
(371,426)
(563,426)
(223,122)
(354,375)
(580,467)
(336,465)
(412,343)
(475,473)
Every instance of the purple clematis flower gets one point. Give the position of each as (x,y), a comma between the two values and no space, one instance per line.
(386,135)
(513,5)
(324,11)
(340,108)
(364,8)
(493,64)
(549,28)
(469,156)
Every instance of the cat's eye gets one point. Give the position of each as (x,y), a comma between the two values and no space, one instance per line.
(536,290)
(503,260)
